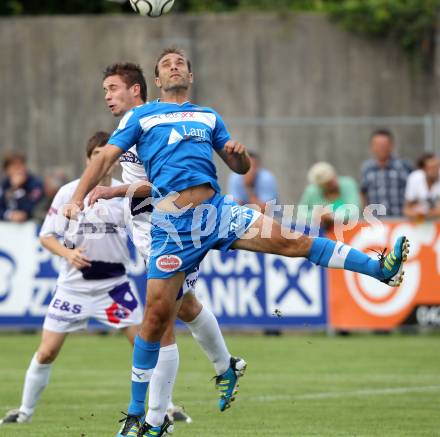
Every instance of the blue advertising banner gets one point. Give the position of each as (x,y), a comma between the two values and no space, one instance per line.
(247,289)
(243,289)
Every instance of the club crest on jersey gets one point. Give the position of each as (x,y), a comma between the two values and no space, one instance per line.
(168,263)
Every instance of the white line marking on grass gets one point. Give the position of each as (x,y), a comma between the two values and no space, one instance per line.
(344,394)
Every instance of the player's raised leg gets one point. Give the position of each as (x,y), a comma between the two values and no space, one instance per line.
(325,252)
(206,331)
(159,313)
(37,377)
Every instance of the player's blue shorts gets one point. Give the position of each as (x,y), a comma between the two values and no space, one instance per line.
(180,241)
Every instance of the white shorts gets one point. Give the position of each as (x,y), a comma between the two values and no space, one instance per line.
(140,230)
(71,311)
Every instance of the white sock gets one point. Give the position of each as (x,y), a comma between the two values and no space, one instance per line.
(162,384)
(206,331)
(339,255)
(37,377)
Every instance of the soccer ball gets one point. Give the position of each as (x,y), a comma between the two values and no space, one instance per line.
(152,8)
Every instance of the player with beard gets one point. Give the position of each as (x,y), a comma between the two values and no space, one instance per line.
(125,88)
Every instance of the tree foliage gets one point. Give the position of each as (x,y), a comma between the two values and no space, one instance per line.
(412,23)
(49,7)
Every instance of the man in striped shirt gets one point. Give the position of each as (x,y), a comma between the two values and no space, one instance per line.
(383,178)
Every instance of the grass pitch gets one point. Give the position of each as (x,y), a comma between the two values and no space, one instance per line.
(295,386)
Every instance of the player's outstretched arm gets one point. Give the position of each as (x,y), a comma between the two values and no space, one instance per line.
(140,189)
(104,192)
(236,157)
(94,172)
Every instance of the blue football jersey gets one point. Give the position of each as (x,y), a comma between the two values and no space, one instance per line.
(174,142)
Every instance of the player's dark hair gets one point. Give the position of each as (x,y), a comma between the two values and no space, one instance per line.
(130,73)
(421,162)
(383,132)
(168,51)
(11,157)
(98,139)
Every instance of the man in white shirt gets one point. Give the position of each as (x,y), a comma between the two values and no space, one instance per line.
(422,194)
(92,281)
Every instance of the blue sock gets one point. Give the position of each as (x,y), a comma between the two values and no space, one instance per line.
(145,355)
(334,254)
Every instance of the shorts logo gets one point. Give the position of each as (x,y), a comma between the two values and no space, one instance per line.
(168,263)
(115,313)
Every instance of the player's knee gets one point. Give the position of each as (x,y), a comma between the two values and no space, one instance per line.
(46,356)
(296,247)
(156,320)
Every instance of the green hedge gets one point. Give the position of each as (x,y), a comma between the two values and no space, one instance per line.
(412,23)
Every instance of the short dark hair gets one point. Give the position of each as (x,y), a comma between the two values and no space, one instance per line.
(130,73)
(98,139)
(11,157)
(421,161)
(384,132)
(167,51)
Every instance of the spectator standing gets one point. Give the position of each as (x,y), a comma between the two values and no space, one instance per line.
(422,194)
(20,191)
(257,187)
(383,178)
(330,191)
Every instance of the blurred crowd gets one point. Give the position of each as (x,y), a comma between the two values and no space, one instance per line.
(23,195)
(392,186)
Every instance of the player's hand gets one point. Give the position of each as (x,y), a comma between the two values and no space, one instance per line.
(76,258)
(234,147)
(100,192)
(72,209)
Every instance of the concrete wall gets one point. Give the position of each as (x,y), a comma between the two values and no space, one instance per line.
(265,66)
